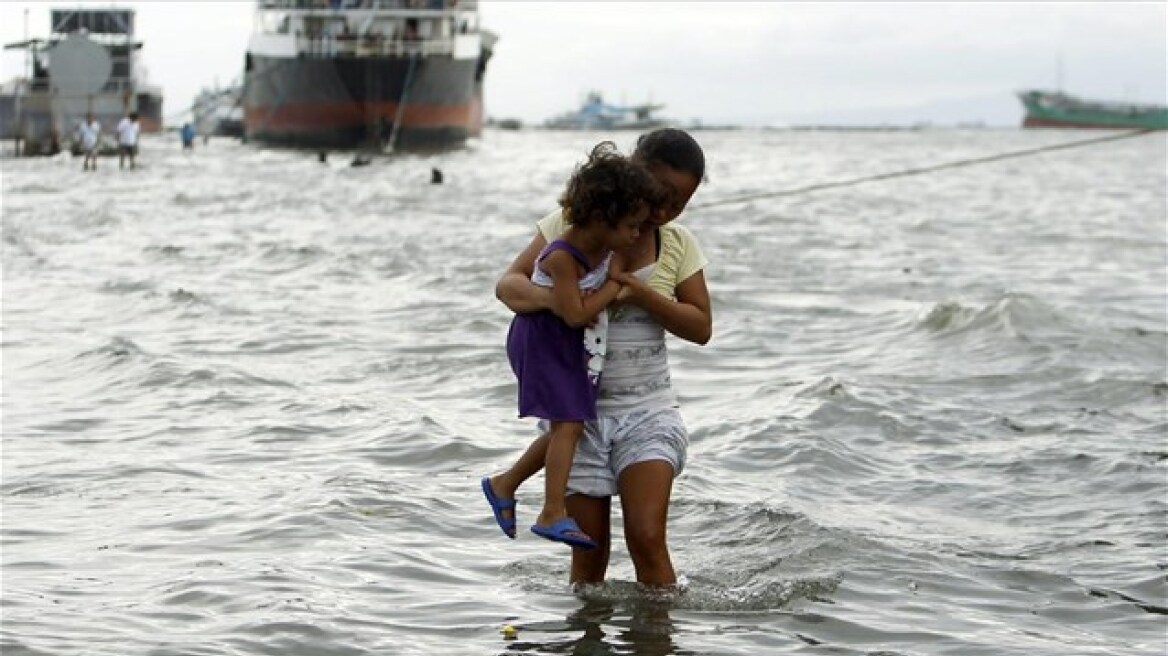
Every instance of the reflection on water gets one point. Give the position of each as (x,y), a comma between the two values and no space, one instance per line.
(641,626)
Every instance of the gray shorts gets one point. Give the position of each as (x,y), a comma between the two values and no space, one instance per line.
(612,443)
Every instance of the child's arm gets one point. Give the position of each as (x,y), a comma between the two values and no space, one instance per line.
(566,301)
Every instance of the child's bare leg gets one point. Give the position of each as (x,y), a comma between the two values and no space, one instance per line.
(502,487)
(528,465)
(561,449)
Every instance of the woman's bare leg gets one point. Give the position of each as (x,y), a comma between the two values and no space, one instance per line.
(592,515)
(644,490)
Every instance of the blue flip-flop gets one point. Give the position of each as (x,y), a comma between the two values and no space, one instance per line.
(498,505)
(562,531)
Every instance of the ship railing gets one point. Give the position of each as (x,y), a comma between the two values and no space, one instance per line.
(118,86)
(372,46)
(1070,103)
(369,5)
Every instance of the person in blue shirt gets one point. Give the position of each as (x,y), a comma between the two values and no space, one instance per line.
(188,136)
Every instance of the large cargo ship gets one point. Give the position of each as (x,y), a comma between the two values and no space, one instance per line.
(365,74)
(90,64)
(1054,109)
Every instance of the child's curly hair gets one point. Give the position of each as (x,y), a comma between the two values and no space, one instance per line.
(609,187)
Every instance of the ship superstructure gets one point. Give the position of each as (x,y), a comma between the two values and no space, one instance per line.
(89,64)
(596,114)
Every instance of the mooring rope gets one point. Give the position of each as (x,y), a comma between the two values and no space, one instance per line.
(921,170)
(401,103)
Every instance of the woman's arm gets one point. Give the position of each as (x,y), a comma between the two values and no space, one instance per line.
(689,317)
(515,289)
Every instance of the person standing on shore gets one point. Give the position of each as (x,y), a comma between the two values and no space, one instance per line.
(187,134)
(128,140)
(90,133)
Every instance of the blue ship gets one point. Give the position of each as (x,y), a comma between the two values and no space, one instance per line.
(595,114)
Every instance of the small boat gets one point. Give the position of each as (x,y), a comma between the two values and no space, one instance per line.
(595,114)
(88,65)
(1054,109)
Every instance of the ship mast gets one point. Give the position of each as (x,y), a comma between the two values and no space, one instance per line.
(27,51)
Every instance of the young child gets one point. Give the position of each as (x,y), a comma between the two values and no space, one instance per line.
(557,355)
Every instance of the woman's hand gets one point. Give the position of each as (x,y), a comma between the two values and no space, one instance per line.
(633,288)
(515,289)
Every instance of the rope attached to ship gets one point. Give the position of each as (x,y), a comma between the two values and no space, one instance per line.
(280,94)
(401,104)
(922,170)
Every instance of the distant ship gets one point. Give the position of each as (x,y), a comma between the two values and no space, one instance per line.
(217,112)
(595,114)
(365,74)
(88,65)
(1054,109)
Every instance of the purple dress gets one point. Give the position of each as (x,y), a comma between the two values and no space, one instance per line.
(549,357)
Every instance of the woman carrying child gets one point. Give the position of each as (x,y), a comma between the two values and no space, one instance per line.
(557,353)
(637,447)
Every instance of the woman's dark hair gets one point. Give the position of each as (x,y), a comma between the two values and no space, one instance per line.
(673,148)
(608,187)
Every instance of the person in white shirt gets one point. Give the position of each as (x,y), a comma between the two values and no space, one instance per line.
(90,134)
(128,139)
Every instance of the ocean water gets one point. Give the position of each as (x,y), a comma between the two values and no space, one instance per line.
(247,399)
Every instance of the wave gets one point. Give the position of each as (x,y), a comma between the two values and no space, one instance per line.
(1016,315)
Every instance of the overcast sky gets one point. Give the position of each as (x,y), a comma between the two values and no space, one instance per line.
(755,63)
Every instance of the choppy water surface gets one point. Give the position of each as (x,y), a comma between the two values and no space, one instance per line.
(248,398)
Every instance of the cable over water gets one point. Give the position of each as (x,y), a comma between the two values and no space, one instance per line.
(921,170)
